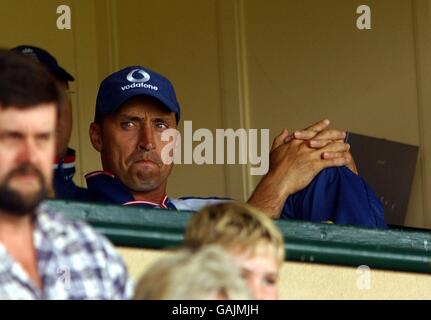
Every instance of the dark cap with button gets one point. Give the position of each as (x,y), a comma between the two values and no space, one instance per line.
(130,82)
(46,59)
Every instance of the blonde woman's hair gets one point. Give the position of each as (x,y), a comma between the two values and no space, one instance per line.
(208,273)
(233,225)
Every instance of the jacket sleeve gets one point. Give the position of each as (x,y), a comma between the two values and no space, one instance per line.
(337,195)
(64,187)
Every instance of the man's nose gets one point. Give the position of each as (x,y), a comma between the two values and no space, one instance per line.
(146,139)
(28,151)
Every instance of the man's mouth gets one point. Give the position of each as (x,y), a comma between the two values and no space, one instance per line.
(25,182)
(146,162)
(26,177)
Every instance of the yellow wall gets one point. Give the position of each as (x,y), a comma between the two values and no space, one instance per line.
(250,63)
(314,281)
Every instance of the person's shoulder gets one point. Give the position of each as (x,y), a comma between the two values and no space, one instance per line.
(197,203)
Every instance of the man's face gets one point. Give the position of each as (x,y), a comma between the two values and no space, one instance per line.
(27,143)
(259,269)
(130,143)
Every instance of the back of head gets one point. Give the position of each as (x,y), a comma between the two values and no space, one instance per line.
(25,83)
(47,60)
(233,225)
(185,275)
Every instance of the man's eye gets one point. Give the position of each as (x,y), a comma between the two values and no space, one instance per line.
(127,125)
(11,136)
(44,137)
(161,125)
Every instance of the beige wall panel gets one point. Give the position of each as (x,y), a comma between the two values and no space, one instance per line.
(315,281)
(34,23)
(307,60)
(422,18)
(416,214)
(87,55)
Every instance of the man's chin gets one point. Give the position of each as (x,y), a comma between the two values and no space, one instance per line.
(146,186)
(21,203)
(145,183)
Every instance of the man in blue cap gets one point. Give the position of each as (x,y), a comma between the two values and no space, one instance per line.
(64,165)
(307,179)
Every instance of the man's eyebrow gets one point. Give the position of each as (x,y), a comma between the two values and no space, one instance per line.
(130,117)
(137,118)
(14,132)
(21,134)
(45,133)
(164,118)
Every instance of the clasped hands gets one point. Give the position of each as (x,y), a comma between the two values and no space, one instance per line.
(295,159)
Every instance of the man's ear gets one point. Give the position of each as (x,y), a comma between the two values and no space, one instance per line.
(96,136)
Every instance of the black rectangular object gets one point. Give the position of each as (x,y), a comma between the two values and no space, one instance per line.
(389,168)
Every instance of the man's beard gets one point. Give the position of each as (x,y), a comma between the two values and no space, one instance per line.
(17,204)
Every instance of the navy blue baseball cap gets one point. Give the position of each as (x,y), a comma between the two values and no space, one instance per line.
(46,59)
(130,82)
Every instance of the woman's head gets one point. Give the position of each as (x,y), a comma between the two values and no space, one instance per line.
(204,274)
(253,240)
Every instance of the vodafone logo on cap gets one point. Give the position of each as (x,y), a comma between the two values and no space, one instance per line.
(139,82)
(131,76)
